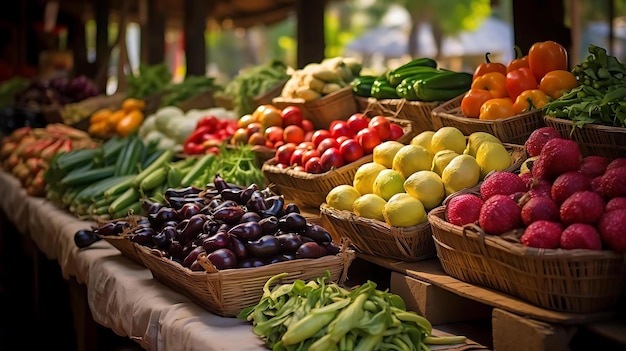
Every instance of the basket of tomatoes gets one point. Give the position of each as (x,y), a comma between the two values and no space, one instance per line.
(507,100)
(306,172)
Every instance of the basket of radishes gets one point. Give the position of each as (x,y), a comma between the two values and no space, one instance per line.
(552,235)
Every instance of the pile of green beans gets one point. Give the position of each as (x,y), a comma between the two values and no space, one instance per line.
(601,96)
(322,316)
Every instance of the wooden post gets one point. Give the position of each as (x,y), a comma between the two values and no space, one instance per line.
(101,15)
(310,31)
(153,37)
(195,16)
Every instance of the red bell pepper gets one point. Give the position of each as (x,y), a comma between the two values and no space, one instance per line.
(210,121)
(519,80)
(193,143)
(489,66)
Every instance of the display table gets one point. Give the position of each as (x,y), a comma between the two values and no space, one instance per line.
(121,294)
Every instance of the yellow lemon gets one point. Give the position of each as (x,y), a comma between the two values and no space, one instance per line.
(388,183)
(369,206)
(449,138)
(342,197)
(492,156)
(403,210)
(423,139)
(462,172)
(427,187)
(527,166)
(441,160)
(384,152)
(412,158)
(475,139)
(365,175)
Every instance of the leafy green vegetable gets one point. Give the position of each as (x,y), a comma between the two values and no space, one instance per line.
(253,82)
(188,88)
(150,80)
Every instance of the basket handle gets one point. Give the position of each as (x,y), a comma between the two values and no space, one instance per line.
(205,263)
(346,258)
(476,230)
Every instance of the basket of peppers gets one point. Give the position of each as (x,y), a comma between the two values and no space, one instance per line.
(410,91)
(507,100)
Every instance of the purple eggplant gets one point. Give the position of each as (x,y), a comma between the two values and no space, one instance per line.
(181,192)
(311,250)
(193,256)
(292,208)
(264,247)
(269,225)
(250,217)
(275,206)
(193,227)
(223,259)
(188,210)
(237,246)
(292,222)
(214,242)
(256,203)
(289,242)
(317,233)
(233,194)
(229,214)
(247,231)
(246,193)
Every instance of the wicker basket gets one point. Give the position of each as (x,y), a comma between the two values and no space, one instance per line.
(310,190)
(307,189)
(267,97)
(334,106)
(514,130)
(201,100)
(578,281)
(124,245)
(228,291)
(377,238)
(419,112)
(122,242)
(593,139)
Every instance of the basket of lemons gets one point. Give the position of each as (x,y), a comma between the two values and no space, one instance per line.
(384,211)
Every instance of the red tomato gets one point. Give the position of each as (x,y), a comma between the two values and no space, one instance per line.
(313,166)
(274,134)
(308,136)
(307,145)
(320,135)
(253,128)
(308,154)
(342,138)
(292,115)
(293,134)
(357,122)
(299,168)
(368,138)
(395,132)
(284,152)
(296,157)
(351,150)
(256,139)
(307,125)
(382,125)
(331,158)
(327,144)
(340,128)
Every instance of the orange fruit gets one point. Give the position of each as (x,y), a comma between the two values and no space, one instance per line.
(293,134)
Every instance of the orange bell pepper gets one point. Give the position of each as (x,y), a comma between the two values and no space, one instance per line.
(556,83)
(529,100)
(546,56)
(497,108)
(489,66)
(473,100)
(494,82)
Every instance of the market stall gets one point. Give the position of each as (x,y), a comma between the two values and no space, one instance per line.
(198,216)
